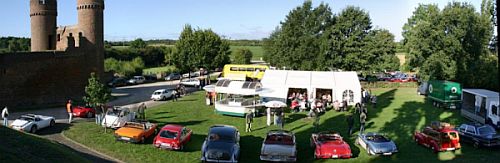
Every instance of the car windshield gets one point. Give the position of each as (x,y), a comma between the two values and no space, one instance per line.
(113,112)
(377,138)
(135,125)
(220,137)
(26,118)
(329,137)
(168,134)
(279,139)
(486,130)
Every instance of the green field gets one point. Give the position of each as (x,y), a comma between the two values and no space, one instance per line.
(257,51)
(20,147)
(157,70)
(400,113)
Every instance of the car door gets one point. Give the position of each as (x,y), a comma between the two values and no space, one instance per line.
(470,133)
(182,138)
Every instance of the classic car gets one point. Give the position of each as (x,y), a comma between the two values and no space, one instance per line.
(32,123)
(137,80)
(117,117)
(162,94)
(221,145)
(375,143)
(173,76)
(117,82)
(479,135)
(84,112)
(279,145)
(190,82)
(329,144)
(172,137)
(439,137)
(135,132)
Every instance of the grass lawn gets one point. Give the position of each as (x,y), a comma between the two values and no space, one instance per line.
(20,147)
(400,113)
(257,51)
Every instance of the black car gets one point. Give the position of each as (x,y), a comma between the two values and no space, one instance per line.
(479,135)
(173,76)
(116,82)
(221,145)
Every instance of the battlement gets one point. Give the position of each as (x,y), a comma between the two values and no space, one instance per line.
(90,6)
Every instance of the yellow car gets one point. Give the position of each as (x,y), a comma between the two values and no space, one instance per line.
(135,132)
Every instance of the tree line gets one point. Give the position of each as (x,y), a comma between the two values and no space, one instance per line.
(314,38)
(455,43)
(14,44)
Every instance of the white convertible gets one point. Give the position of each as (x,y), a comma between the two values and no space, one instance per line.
(117,117)
(32,123)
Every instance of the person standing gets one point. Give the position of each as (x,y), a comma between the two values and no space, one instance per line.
(249,121)
(350,123)
(98,112)
(69,108)
(268,117)
(279,117)
(174,95)
(5,115)
(316,121)
(374,101)
(345,105)
(362,120)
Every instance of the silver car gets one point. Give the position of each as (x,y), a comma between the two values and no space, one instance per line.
(279,145)
(375,143)
(32,123)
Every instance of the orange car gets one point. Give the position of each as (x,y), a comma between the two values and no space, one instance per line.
(135,132)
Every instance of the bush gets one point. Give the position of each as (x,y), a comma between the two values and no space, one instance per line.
(124,68)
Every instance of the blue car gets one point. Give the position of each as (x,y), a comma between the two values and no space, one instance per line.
(221,145)
(376,144)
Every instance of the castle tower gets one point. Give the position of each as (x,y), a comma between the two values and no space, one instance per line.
(91,21)
(43,14)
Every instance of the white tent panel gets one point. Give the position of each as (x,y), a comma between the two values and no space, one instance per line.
(298,79)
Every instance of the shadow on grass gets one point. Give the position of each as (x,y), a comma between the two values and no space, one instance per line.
(56,129)
(250,148)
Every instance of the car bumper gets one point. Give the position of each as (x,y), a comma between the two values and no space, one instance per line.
(333,156)
(492,144)
(18,128)
(210,160)
(126,139)
(166,146)
(277,158)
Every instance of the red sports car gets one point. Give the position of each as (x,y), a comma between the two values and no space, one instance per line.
(84,112)
(172,137)
(329,144)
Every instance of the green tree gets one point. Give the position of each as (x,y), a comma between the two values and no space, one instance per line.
(380,51)
(200,48)
(242,56)
(138,44)
(97,94)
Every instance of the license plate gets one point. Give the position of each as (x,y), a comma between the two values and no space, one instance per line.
(387,153)
(335,156)
(125,138)
(450,149)
(165,145)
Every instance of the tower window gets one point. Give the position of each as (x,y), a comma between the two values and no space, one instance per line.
(58,37)
(42,2)
(80,34)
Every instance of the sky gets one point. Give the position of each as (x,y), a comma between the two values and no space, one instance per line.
(232,19)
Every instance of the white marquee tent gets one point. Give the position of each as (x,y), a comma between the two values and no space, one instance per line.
(343,85)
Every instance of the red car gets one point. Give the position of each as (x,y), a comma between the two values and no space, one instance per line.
(172,137)
(329,144)
(438,137)
(84,112)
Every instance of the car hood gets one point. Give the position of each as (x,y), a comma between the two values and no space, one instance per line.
(277,149)
(19,122)
(491,136)
(335,146)
(383,146)
(219,150)
(109,120)
(129,132)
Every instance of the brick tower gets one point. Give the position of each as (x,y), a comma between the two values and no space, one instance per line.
(91,25)
(43,14)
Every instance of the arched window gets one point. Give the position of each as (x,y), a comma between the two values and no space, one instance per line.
(348,95)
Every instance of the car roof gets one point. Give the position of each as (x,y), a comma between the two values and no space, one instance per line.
(172,127)
(281,132)
(160,90)
(223,129)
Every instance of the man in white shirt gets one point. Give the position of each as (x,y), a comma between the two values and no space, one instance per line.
(5,114)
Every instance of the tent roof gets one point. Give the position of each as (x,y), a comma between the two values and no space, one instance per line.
(237,87)
(482,92)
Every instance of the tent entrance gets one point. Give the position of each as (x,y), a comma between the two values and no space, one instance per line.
(320,92)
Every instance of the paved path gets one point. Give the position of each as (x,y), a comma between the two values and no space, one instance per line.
(130,96)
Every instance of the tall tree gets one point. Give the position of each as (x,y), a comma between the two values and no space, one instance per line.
(200,48)
(380,51)
(138,44)
(242,56)
(96,93)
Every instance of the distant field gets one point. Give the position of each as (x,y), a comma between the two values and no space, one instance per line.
(257,51)
(157,70)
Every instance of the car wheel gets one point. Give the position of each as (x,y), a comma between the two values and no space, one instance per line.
(181,148)
(143,140)
(476,144)
(416,141)
(368,150)
(434,149)
(418,93)
(33,129)
(52,123)
(89,115)
(315,157)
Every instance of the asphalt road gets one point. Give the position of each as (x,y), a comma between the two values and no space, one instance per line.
(129,96)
